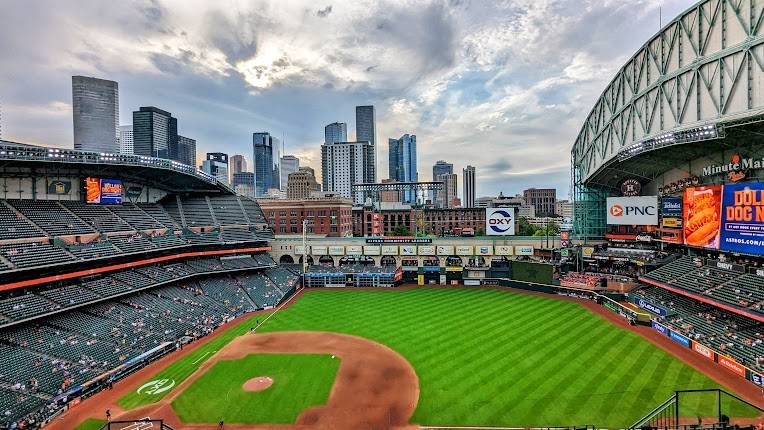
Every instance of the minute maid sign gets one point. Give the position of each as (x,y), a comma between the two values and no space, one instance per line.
(500,221)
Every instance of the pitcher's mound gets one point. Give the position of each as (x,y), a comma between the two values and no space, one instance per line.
(259,383)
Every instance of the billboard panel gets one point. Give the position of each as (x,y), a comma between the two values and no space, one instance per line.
(523,250)
(427,250)
(484,250)
(103,191)
(701,216)
(445,250)
(318,250)
(503,250)
(642,210)
(408,250)
(464,250)
(671,206)
(336,250)
(500,221)
(371,250)
(742,227)
(354,250)
(389,249)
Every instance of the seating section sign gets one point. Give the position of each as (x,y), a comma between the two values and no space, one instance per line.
(742,228)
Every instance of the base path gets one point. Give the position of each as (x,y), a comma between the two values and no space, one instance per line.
(375,387)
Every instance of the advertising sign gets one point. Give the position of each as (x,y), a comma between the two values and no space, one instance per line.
(300,250)
(464,250)
(484,250)
(354,250)
(336,250)
(408,250)
(399,239)
(59,187)
(500,221)
(371,250)
(671,222)
(732,365)
(523,250)
(757,379)
(701,216)
(661,328)
(642,210)
(318,250)
(703,350)
(742,228)
(678,338)
(503,250)
(671,206)
(389,250)
(445,250)
(587,251)
(644,304)
(103,191)
(427,250)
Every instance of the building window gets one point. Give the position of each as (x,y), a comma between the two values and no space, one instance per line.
(293,212)
(333,229)
(282,229)
(293,229)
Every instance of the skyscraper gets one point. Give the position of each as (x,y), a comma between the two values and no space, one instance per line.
(216,165)
(186,151)
(403,164)
(238,164)
(346,163)
(266,166)
(126,139)
(365,124)
(440,168)
(155,133)
(468,177)
(95,112)
(447,195)
(289,164)
(302,183)
(336,132)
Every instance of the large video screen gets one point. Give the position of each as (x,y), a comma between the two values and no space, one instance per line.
(103,191)
(742,228)
(702,216)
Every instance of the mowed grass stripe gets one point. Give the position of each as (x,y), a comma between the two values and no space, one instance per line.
(499,358)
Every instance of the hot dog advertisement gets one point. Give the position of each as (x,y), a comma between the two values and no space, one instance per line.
(702,216)
(742,228)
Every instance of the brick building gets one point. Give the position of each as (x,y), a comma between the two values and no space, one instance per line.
(434,221)
(330,217)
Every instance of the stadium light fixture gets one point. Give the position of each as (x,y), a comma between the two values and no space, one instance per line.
(695,134)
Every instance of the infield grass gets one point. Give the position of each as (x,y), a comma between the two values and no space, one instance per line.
(300,381)
(179,370)
(501,358)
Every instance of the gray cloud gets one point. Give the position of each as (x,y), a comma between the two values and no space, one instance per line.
(323,13)
(503,86)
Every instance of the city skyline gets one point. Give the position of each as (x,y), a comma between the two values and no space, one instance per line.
(468,80)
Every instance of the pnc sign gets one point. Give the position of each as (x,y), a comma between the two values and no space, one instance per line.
(500,221)
(641,210)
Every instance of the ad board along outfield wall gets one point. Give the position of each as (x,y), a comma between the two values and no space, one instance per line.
(642,210)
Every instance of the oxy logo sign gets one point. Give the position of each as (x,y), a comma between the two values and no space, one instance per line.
(157,386)
(641,210)
(499,221)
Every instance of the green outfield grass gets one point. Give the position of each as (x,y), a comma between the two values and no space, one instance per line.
(300,381)
(491,357)
(179,370)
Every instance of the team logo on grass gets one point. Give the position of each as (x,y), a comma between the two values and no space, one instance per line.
(157,386)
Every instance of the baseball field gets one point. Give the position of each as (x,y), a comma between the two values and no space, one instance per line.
(481,357)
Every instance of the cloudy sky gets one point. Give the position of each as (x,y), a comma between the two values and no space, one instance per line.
(503,86)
